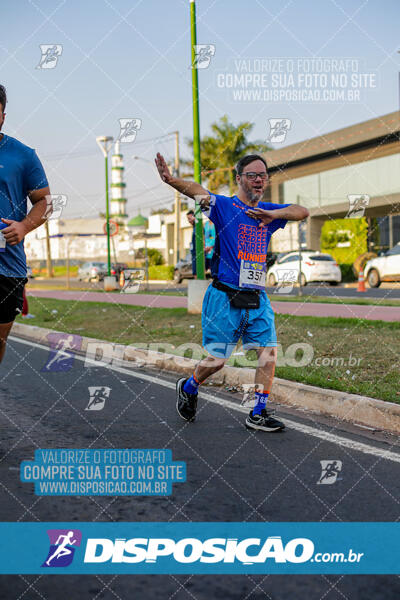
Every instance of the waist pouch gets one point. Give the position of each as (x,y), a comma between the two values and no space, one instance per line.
(239,298)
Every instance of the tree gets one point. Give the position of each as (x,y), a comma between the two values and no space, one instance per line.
(221,150)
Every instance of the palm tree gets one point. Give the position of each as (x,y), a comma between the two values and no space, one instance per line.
(221,151)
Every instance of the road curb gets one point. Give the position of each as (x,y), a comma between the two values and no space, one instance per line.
(361,410)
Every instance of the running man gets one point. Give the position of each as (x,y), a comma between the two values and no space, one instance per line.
(21,175)
(62,549)
(62,351)
(236,306)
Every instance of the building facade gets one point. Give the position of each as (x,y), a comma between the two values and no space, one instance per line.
(321,173)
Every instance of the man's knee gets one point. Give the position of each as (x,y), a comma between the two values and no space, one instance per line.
(211,362)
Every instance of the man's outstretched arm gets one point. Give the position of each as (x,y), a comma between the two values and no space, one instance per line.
(293,212)
(189,188)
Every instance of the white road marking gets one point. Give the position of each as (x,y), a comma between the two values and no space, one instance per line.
(306,429)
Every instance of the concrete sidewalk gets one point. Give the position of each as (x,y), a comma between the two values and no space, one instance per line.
(354,311)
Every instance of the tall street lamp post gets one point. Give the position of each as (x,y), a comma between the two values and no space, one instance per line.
(196,143)
(105,142)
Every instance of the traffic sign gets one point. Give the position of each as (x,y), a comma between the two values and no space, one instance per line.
(114,227)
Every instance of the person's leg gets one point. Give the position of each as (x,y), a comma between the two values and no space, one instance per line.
(206,367)
(11,300)
(259,418)
(260,335)
(5,329)
(25,309)
(264,377)
(220,324)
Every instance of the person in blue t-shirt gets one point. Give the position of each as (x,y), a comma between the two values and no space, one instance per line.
(21,176)
(192,221)
(236,306)
(209,243)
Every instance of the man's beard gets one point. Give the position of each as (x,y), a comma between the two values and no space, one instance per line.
(252,196)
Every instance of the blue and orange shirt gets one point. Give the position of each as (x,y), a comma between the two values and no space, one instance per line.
(240,242)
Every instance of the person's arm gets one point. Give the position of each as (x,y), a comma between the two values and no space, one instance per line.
(17,230)
(293,212)
(189,188)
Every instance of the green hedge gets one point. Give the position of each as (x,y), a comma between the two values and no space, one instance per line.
(336,233)
(161,272)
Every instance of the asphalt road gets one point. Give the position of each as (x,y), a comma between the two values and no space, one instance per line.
(232,475)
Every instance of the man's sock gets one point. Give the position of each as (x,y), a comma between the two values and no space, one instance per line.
(192,385)
(261,400)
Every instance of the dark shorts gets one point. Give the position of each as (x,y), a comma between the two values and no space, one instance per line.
(11,297)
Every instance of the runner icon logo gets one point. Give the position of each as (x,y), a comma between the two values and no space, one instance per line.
(63,543)
(203,55)
(330,471)
(278,129)
(50,55)
(98,396)
(128,130)
(286,280)
(55,204)
(61,356)
(357,205)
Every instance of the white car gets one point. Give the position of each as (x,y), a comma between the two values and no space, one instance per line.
(383,268)
(315,266)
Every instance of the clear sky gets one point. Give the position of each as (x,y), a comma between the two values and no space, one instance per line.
(130,59)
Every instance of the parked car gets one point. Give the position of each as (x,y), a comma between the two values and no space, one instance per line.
(116,268)
(92,271)
(383,268)
(314,267)
(272,257)
(183,269)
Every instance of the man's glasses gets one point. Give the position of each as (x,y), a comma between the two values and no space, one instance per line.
(253,176)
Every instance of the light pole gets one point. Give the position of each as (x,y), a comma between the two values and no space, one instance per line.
(105,142)
(196,143)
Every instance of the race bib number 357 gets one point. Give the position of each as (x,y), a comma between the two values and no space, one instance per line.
(252,274)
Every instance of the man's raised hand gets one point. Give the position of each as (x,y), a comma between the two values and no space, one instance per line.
(162,168)
(263,216)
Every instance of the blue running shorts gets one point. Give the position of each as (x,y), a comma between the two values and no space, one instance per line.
(223,325)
